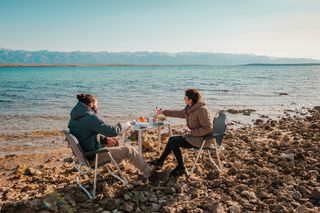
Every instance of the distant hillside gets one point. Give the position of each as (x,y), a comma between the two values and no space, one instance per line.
(8,56)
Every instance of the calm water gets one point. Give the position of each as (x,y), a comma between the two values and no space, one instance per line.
(41,98)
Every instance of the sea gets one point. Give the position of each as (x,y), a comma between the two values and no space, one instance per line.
(39,99)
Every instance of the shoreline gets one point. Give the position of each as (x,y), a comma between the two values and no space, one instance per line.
(35,140)
(270,166)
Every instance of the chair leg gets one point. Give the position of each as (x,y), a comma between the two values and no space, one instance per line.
(95,176)
(195,162)
(212,161)
(80,172)
(218,157)
(122,178)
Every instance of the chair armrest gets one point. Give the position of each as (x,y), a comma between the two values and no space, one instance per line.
(105,149)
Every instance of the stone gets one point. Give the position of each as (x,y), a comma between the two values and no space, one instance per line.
(242,187)
(248,194)
(30,171)
(127,196)
(20,170)
(287,156)
(68,160)
(315,194)
(127,207)
(233,171)
(112,204)
(153,198)
(213,174)
(296,195)
(283,93)
(170,190)
(141,197)
(235,209)
(155,207)
(280,208)
(304,209)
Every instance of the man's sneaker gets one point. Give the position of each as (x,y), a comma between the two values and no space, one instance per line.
(178,171)
(157,163)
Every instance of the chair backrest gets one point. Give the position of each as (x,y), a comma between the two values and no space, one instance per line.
(76,148)
(220,126)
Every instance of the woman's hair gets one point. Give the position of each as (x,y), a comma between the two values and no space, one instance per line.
(86,98)
(194,95)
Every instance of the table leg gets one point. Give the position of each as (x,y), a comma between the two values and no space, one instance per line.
(159,138)
(140,142)
(170,131)
(123,137)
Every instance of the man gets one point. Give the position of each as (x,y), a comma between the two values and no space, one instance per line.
(92,132)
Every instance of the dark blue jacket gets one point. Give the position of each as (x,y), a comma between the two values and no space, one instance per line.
(85,125)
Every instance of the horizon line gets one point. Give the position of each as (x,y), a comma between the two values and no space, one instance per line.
(146,65)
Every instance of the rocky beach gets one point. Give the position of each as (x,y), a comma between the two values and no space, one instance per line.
(270,166)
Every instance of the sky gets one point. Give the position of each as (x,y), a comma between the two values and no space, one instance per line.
(280,28)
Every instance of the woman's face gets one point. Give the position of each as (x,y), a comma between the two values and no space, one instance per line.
(187,100)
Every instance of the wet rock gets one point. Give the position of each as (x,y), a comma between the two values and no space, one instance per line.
(296,195)
(242,187)
(315,194)
(258,122)
(283,93)
(155,207)
(68,160)
(233,171)
(31,171)
(170,190)
(213,174)
(127,207)
(141,197)
(112,204)
(127,196)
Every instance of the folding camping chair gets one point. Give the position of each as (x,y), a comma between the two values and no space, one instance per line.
(80,160)
(220,126)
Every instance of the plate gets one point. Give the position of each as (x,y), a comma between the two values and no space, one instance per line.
(142,124)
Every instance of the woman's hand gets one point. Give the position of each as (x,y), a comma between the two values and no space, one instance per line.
(159,111)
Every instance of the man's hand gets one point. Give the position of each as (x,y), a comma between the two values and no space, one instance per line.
(110,142)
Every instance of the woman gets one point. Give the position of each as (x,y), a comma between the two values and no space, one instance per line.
(198,121)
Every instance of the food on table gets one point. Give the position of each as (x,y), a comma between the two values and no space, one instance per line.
(142,119)
(159,118)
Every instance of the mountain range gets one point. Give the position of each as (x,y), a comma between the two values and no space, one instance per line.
(8,56)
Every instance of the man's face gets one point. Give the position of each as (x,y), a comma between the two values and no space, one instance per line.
(94,106)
